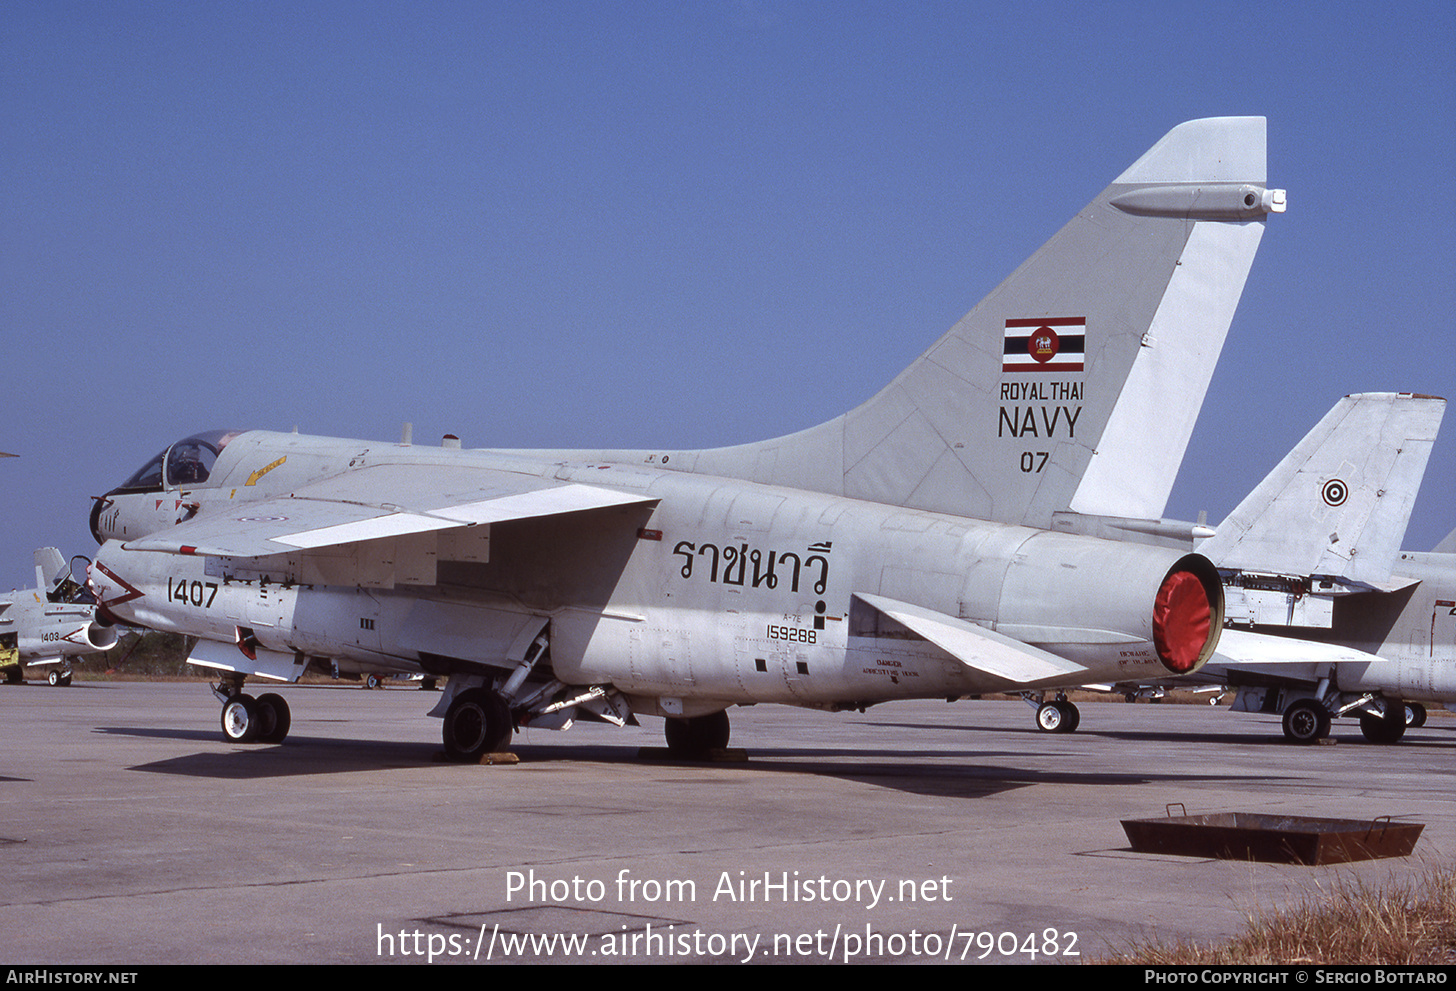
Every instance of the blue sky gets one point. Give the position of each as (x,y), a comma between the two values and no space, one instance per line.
(624,224)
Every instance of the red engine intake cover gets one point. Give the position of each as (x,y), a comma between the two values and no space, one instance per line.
(1182,621)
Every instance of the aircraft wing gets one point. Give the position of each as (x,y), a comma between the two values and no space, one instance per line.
(1244,648)
(373,503)
(976,647)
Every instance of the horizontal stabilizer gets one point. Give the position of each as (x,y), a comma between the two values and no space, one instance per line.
(1079,635)
(975,646)
(1394,583)
(1247,649)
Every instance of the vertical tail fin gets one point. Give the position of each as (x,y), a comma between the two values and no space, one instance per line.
(1073,385)
(1338,504)
(50,569)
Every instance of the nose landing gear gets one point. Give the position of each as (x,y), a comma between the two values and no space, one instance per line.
(265,719)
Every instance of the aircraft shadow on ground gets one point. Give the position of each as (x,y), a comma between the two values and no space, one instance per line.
(299,756)
(1270,734)
(937,773)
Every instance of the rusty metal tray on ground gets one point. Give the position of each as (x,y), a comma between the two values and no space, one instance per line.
(1282,839)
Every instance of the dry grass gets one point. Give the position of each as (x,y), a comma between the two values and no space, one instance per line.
(1411,923)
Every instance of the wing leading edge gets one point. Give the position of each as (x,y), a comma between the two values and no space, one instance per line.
(310,520)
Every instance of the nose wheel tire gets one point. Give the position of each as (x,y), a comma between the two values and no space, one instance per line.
(274,719)
(264,719)
(240,722)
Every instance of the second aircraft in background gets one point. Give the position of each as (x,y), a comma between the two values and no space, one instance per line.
(1312,556)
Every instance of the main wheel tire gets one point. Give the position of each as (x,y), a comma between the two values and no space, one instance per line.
(1049,717)
(696,736)
(1415,714)
(373,681)
(1386,728)
(1071,716)
(477,723)
(274,718)
(54,678)
(240,722)
(1306,721)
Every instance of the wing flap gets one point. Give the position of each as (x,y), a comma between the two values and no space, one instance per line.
(983,650)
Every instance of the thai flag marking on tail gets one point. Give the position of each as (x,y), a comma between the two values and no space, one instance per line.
(1051,344)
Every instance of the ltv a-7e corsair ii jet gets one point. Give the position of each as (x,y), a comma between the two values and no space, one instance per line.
(957,534)
(1313,553)
(1325,615)
(50,624)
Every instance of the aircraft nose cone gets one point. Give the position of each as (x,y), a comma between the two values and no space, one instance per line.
(99,504)
(99,588)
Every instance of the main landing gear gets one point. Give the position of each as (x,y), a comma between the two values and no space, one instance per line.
(1056,715)
(245,719)
(695,736)
(1307,720)
(58,679)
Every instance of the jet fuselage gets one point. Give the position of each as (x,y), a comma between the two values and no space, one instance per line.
(711,589)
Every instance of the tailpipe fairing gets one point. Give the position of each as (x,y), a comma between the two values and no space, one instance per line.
(1119,608)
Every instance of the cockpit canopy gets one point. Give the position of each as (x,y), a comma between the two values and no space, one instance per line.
(187,462)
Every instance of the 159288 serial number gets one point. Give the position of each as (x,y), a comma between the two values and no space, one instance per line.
(795,633)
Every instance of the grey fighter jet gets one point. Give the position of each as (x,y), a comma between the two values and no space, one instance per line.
(50,624)
(938,541)
(1313,554)
(1327,532)
(1325,615)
